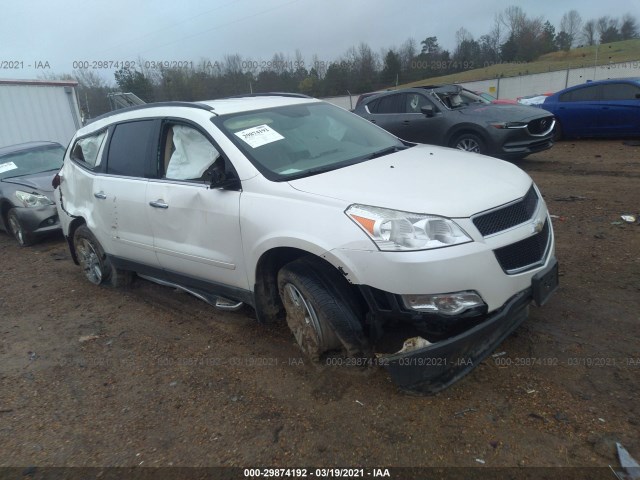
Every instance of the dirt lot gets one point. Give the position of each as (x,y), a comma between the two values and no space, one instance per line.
(150,376)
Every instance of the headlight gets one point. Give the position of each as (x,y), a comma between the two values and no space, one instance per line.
(509,125)
(392,230)
(33,199)
(444,303)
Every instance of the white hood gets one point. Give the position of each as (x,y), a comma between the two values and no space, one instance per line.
(424,179)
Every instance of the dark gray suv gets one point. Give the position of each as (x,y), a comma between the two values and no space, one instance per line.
(454,117)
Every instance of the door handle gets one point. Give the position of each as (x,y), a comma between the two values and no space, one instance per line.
(159,204)
(100,195)
(406,122)
(372,121)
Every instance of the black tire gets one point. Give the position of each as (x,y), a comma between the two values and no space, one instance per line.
(320,310)
(557,131)
(95,263)
(23,237)
(469,142)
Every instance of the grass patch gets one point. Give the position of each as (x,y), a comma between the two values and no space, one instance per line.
(616,52)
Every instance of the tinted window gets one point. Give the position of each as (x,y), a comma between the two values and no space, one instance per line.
(620,91)
(414,102)
(87,150)
(187,153)
(581,95)
(128,149)
(388,104)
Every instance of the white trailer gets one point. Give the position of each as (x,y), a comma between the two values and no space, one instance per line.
(38,110)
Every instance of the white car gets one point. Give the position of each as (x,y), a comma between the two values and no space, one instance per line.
(418,258)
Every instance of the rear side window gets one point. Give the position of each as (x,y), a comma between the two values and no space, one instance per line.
(129,148)
(388,104)
(414,103)
(88,150)
(581,95)
(620,91)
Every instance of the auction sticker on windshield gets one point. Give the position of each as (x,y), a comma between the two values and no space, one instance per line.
(259,136)
(5,167)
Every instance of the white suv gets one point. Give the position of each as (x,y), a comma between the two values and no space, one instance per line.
(415,257)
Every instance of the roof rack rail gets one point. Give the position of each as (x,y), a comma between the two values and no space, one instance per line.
(270,94)
(133,108)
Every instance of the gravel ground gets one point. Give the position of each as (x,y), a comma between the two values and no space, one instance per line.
(149,376)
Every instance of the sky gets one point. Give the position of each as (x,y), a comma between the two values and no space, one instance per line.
(41,37)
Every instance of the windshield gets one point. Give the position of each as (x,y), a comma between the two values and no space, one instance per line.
(300,140)
(26,162)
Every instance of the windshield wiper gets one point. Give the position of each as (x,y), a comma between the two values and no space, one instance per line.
(386,151)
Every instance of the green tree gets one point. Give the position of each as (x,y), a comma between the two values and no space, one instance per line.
(133,81)
(392,68)
(563,41)
(548,38)
(629,27)
(430,46)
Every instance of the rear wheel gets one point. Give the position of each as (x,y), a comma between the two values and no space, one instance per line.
(23,237)
(94,262)
(469,142)
(320,312)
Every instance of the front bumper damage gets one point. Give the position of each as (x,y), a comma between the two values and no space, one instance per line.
(432,368)
(38,220)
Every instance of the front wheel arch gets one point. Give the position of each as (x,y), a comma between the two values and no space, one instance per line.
(268,305)
(321,310)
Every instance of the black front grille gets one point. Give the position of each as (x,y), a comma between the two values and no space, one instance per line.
(540,126)
(509,216)
(525,253)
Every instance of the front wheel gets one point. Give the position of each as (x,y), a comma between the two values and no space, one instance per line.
(469,142)
(320,313)
(557,131)
(16,229)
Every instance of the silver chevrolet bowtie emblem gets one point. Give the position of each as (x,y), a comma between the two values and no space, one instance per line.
(536,227)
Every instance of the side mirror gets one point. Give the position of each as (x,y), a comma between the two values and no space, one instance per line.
(220,177)
(427,110)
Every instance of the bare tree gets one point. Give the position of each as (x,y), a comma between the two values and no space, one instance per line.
(407,52)
(514,19)
(232,64)
(589,31)
(319,66)
(571,24)
(89,78)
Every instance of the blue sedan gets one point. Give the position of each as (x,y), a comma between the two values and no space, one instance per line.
(605,108)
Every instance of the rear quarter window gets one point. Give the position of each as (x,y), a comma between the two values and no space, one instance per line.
(88,150)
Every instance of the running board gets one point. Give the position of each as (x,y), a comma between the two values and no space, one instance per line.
(218,302)
(226,304)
